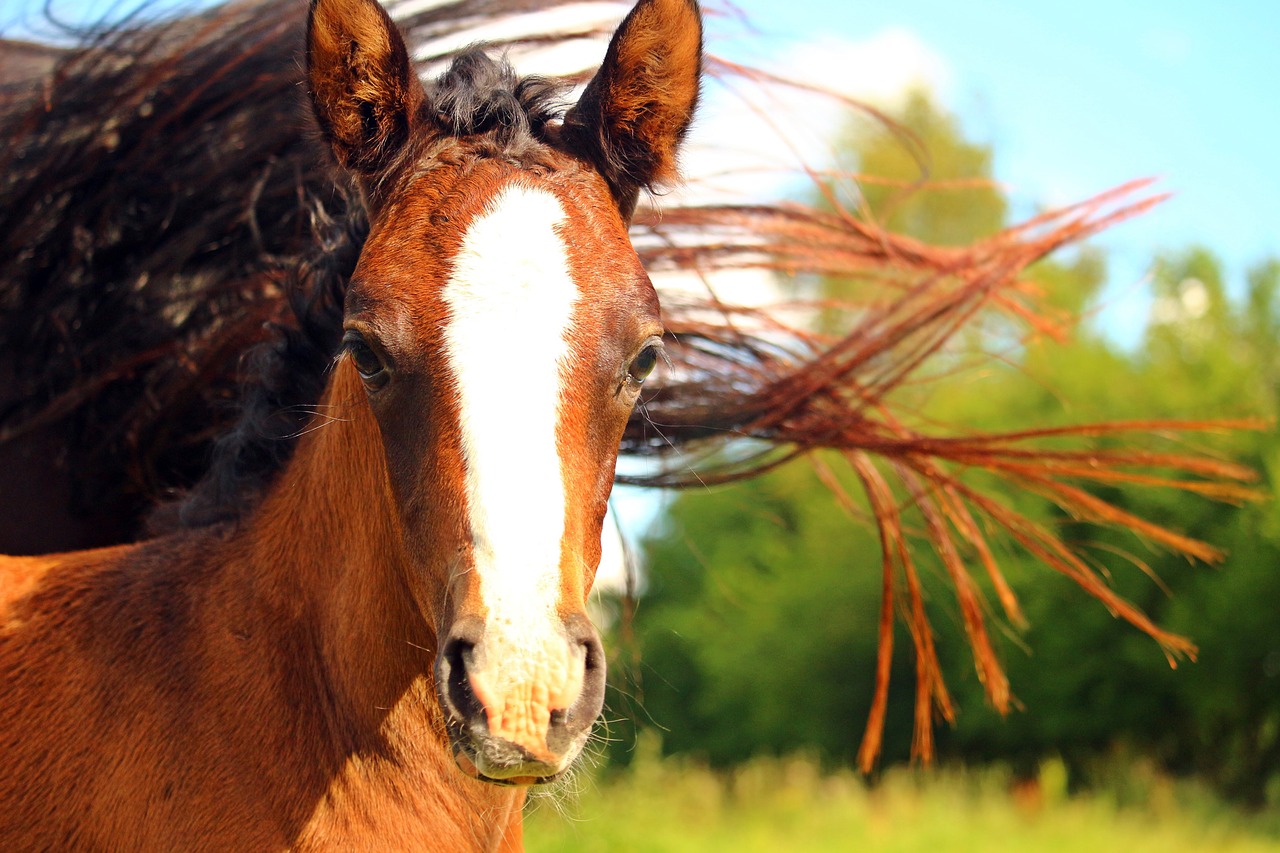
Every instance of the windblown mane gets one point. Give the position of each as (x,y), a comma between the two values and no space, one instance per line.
(480,95)
(163,210)
(281,380)
(151,187)
(166,209)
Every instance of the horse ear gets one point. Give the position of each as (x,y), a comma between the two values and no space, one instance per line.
(364,91)
(636,110)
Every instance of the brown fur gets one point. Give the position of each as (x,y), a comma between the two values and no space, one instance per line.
(271,682)
(237,689)
(634,114)
(364,89)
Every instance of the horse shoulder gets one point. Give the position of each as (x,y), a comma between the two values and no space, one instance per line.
(102,709)
(150,692)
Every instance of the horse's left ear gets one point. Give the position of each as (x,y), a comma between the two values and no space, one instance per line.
(365,93)
(636,110)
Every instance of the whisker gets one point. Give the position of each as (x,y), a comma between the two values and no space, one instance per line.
(328,420)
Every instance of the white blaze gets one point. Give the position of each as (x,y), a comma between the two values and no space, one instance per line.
(512,300)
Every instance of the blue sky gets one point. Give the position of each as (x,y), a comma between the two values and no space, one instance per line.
(1079,97)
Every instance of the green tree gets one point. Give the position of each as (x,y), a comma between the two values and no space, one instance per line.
(757,621)
(1098,684)
(922,178)
(757,629)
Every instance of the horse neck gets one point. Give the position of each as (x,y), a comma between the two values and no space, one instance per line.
(328,567)
(327,553)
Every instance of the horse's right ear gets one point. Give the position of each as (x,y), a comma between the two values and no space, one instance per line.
(636,110)
(364,91)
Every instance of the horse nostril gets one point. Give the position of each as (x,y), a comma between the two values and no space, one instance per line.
(452,674)
(583,633)
(595,653)
(568,723)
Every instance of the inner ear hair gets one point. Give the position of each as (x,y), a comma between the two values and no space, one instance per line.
(364,91)
(635,112)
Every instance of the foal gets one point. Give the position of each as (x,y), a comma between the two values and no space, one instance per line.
(390,642)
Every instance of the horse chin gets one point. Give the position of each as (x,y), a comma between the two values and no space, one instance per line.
(473,764)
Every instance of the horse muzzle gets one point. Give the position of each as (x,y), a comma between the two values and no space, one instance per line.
(519,702)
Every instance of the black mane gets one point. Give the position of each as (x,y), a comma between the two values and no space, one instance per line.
(149,186)
(480,95)
(281,381)
(165,207)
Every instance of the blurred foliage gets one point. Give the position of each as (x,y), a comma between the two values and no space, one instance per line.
(756,632)
(1087,682)
(792,804)
(925,149)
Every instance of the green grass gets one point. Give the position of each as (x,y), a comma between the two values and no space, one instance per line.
(790,805)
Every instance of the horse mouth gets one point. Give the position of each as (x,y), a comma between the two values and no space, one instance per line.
(525,744)
(469,762)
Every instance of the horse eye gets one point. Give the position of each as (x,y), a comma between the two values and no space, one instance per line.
(643,364)
(368,364)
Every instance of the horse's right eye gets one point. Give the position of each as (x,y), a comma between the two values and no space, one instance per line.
(643,364)
(368,364)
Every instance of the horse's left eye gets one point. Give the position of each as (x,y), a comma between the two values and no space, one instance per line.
(368,364)
(642,365)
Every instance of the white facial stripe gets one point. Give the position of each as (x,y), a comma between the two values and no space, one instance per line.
(512,300)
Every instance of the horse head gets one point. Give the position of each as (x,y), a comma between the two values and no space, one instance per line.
(502,325)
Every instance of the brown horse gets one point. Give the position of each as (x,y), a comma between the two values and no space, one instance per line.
(391,644)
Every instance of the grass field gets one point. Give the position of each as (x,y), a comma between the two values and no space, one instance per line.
(790,805)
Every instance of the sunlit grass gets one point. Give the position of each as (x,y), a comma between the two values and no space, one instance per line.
(785,805)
